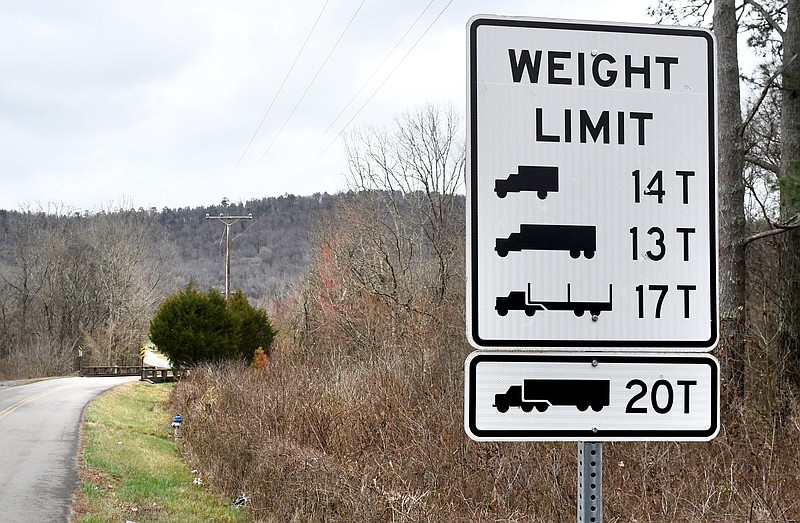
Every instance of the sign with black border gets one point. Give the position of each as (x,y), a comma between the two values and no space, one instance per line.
(591,186)
(591,397)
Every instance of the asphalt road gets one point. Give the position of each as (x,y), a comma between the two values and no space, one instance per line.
(39,428)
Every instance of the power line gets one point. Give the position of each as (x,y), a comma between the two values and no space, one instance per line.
(250,226)
(285,78)
(302,97)
(378,88)
(368,80)
(363,86)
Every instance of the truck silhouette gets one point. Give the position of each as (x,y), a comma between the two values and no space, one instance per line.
(529,178)
(522,301)
(572,238)
(541,394)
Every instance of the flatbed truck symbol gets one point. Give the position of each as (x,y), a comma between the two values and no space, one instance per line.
(536,178)
(572,238)
(522,301)
(541,394)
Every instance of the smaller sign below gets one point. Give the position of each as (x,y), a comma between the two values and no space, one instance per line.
(591,397)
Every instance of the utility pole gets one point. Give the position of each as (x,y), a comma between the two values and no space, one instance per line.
(228,220)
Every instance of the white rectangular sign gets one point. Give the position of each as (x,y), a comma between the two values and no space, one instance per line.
(591,186)
(591,397)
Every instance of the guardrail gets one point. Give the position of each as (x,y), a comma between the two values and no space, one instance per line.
(160,375)
(152,374)
(112,370)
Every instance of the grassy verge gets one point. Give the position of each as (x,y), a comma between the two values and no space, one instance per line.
(132,470)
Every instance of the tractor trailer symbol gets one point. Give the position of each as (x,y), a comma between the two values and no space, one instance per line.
(534,178)
(572,238)
(522,301)
(541,394)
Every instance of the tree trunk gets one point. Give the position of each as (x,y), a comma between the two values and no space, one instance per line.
(732,268)
(790,194)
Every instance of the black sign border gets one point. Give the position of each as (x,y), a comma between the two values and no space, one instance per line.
(472,179)
(590,435)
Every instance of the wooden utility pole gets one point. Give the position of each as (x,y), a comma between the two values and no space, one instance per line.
(228,220)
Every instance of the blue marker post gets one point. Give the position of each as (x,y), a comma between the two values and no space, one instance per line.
(176,425)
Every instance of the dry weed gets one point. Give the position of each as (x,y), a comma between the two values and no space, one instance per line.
(381,439)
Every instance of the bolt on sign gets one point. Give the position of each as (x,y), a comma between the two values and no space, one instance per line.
(591,186)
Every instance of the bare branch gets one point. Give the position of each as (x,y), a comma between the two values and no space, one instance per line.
(760,162)
(750,187)
(765,91)
(778,228)
(767,17)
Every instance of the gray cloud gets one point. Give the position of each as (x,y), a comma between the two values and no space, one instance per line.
(156,101)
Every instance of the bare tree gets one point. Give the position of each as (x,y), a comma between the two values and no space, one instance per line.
(36,317)
(409,181)
(389,266)
(743,151)
(732,230)
(790,189)
(131,263)
(75,281)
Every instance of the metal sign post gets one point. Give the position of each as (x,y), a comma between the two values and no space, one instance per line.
(591,231)
(590,482)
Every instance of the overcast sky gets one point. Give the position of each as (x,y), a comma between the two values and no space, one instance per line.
(154,103)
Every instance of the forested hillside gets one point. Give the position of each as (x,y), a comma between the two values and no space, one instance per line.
(70,280)
(268,252)
(92,281)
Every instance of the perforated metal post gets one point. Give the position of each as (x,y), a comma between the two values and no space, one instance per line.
(590,482)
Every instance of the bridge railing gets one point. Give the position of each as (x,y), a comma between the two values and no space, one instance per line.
(154,374)
(112,370)
(160,375)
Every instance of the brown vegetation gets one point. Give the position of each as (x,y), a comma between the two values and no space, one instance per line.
(358,416)
(331,436)
(72,284)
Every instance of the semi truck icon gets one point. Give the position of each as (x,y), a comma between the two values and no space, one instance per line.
(523,301)
(541,394)
(572,238)
(534,178)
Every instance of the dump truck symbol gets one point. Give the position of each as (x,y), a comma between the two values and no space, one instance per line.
(534,178)
(572,238)
(541,394)
(522,301)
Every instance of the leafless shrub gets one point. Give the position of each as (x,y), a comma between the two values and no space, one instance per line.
(344,439)
(372,440)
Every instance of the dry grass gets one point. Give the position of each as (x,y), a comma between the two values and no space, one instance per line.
(335,437)
(6,371)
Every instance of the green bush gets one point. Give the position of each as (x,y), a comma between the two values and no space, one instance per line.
(191,327)
(253,327)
